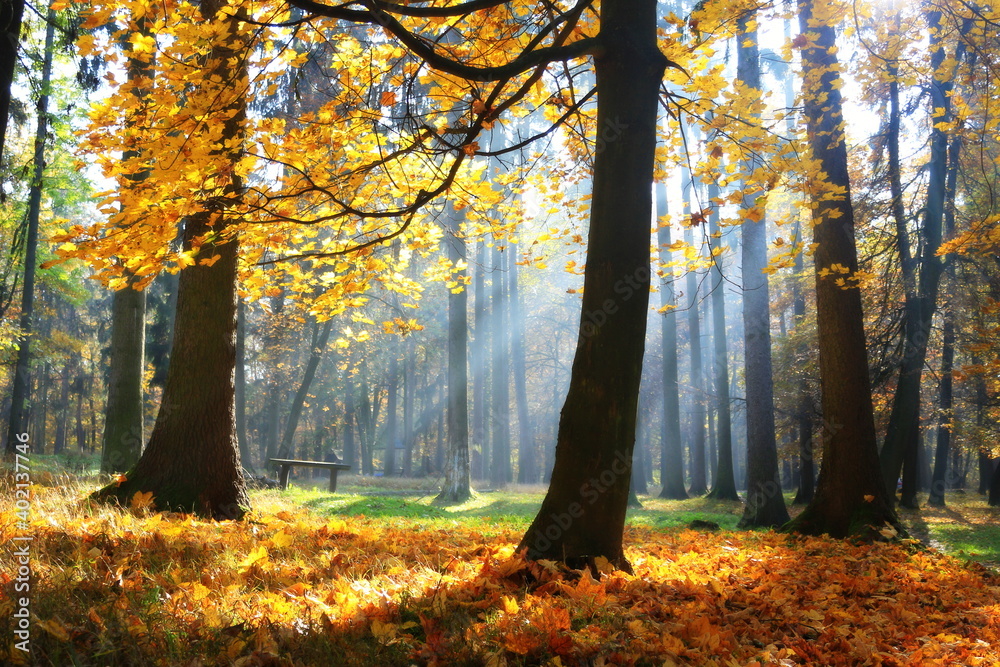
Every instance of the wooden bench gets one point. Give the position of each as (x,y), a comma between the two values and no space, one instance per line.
(288,464)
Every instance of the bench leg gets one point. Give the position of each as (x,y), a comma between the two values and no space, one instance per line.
(333,480)
(283,477)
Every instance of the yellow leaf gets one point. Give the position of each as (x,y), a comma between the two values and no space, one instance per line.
(142,500)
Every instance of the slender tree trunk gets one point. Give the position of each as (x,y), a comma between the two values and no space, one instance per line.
(273,341)
(350,446)
(320,338)
(672,454)
(698,409)
(805,408)
(246,455)
(391,410)
(480,347)
(22,367)
(583,514)
(123,415)
(192,461)
(527,455)
(903,432)
(765,505)
(850,498)
(945,417)
(457,485)
(500,468)
(724,487)
(409,437)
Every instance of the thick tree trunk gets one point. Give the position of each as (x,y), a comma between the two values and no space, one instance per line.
(724,487)
(583,514)
(851,498)
(457,485)
(20,389)
(123,437)
(192,461)
(672,453)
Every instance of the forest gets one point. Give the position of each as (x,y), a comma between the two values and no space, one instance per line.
(500,332)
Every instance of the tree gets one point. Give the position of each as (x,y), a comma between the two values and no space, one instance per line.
(765,505)
(192,460)
(22,367)
(457,486)
(582,516)
(123,417)
(672,454)
(724,486)
(850,496)
(11,15)
(922,269)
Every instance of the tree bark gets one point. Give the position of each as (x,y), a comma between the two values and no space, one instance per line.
(696,377)
(457,484)
(903,432)
(582,516)
(246,456)
(500,466)
(724,486)
(765,506)
(672,453)
(805,408)
(527,455)
(850,498)
(192,461)
(480,347)
(123,437)
(11,16)
(321,336)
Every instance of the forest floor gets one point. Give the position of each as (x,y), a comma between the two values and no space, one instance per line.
(380,576)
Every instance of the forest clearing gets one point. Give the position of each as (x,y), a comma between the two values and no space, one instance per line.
(364,578)
(603,332)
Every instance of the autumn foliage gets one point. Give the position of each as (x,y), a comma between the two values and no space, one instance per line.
(291,587)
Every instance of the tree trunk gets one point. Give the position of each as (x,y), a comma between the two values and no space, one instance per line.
(350,446)
(724,487)
(583,514)
(192,461)
(805,408)
(11,15)
(391,410)
(246,456)
(18,422)
(527,455)
(698,409)
(457,485)
(123,437)
(903,432)
(409,437)
(672,453)
(274,343)
(480,409)
(850,498)
(321,335)
(945,417)
(500,466)
(765,506)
